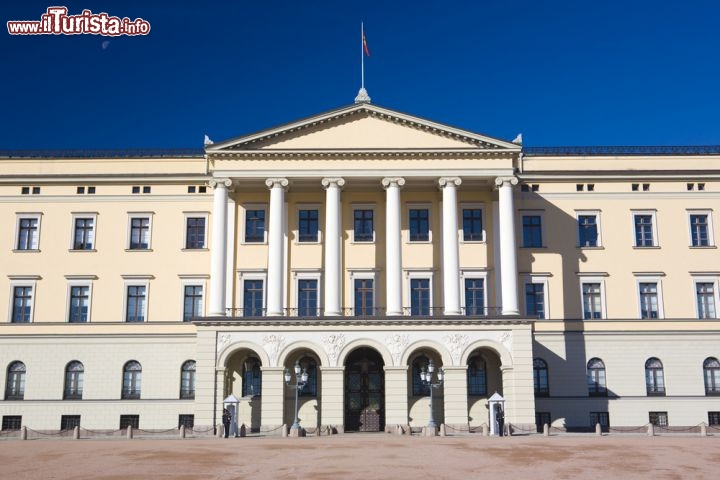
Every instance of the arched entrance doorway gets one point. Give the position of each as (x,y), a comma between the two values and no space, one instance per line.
(364,391)
(484,378)
(244,380)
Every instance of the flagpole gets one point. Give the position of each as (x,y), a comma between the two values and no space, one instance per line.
(362,55)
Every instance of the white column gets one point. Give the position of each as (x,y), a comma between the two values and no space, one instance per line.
(276,252)
(393,260)
(218,252)
(508,258)
(333,245)
(451,255)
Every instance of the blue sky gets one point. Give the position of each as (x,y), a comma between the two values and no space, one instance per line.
(566,72)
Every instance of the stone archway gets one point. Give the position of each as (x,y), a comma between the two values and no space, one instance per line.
(244,380)
(484,378)
(364,388)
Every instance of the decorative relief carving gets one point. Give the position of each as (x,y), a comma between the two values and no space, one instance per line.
(396,344)
(393,181)
(499,181)
(456,343)
(223,340)
(273,344)
(506,340)
(326,182)
(333,344)
(277,182)
(452,181)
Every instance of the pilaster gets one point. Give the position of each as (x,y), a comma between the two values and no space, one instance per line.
(273,394)
(455,396)
(396,395)
(331,400)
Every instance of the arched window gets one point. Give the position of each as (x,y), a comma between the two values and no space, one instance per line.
(132,379)
(252,378)
(476,376)
(187,380)
(419,388)
(15,385)
(540,377)
(596,378)
(73,381)
(711,371)
(654,378)
(310,366)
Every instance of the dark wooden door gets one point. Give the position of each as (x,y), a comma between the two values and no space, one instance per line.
(364,392)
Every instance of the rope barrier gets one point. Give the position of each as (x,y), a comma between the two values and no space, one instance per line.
(714,427)
(156,432)
(195,430)
(628,429)
(51,434)
(101,432)
(669,429)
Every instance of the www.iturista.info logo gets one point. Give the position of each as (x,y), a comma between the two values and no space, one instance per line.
(56,21)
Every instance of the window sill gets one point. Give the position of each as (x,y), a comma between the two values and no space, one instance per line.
(419,242)
(82,250)
(362,242)
(702,247)
(473,242)
(203,249)
(317,242)
(533,246)
(26,250)
(138,249)
(582,247)
(651,247)
(254,243)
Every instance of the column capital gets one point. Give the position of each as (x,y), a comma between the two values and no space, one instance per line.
(276,182)
(327,181)
(220,182)
(449,182)
(500,181)
(393,181)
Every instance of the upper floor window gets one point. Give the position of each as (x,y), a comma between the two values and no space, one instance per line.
(711,372)
(532,231)
(135,303)
(364,296)
(254,226)
(705,298)
(588,230)
(192,302)
(419,224)
(79,309)
(535,299)
(363,225)
(74,373)
(22,304)
(420,296)
(307,297)
(28,228)
(592,300)
(700,230)
(83,233)
(308,227)
(140,233)
(15,383)
(252,378)
(187,380)
(654,377)
(472,225)
(649,303)
(253,297)
(645,229)
(474,296)
(540,377)
(195,233)
(477,376)
(132,380)
(596,377)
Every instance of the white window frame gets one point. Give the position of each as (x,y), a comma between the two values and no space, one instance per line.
(711,235)
(593,278)
(296,231)
(251,275)
(534,213)
(186,217)
(539,279)
(20,216)
(706,278)
(598,224)
(307,275)
(475,274)
(418,274)
(363,275)
(656,239)
(192,281)
(655,278)
(79,281)
(22,281)
(253,206)
(134,215)
(483,217)
(417,206)
(364,206)
(136,281)
(75,216)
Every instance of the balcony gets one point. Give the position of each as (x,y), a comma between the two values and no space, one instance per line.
(378,313)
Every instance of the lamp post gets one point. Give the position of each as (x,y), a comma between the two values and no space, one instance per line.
(426,376)
(301,378)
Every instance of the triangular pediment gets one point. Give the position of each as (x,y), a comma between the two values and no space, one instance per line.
(362,127)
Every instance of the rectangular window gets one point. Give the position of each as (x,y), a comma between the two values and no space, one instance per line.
(420,296)
(84,233)
(705,294)
(659,419)
(187,421)
(713,419)
(419,224)
(194,233)
(535,300)
(532,231)
(192,302)
(129,421)
(588,231)
(700,230)
(644,231)
(472,225)
(649,300)
(139,233)
(308,225)
(603,418)
(363,226)
(364,297)
(11,422)
(28,233)
(254,226)
(79,304)
(307,297)
(253,295)
(592,300)
(22,304)
(136,303)
(474,296)
(69,422)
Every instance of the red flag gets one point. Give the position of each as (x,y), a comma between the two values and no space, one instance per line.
(365,47)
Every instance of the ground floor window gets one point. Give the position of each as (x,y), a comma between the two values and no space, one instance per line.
(11,422)
(541,418)
(603,418)
(713,419)
(129,421)
(659,419)
(188,421)
(69,422)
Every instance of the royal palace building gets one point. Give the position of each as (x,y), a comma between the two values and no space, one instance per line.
(362,244)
